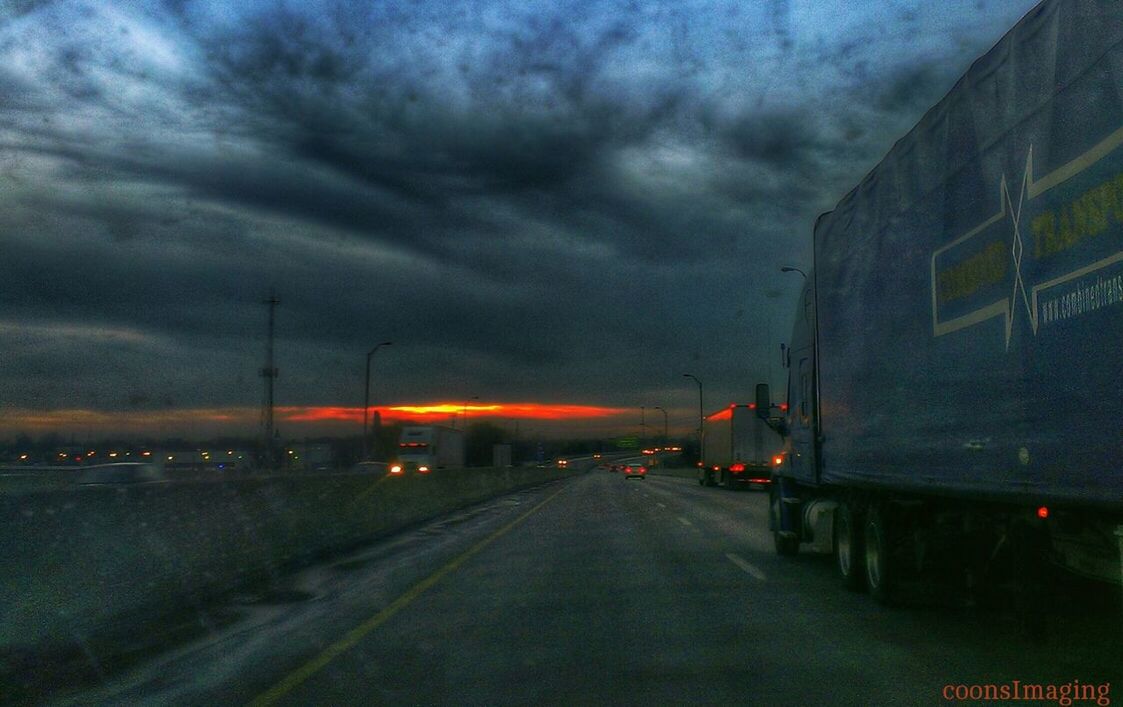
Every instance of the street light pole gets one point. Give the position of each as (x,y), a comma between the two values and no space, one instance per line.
(665,435)
(701,414)
(464,412)
(366,399)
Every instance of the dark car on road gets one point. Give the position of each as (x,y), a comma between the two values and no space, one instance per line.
(634,470)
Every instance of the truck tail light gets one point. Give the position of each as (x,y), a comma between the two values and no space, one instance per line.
(423,469)
(1043,512)
(778,460)
(738,467)
(396,469)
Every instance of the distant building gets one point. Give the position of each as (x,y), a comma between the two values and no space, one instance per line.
(309,457)
(219,460)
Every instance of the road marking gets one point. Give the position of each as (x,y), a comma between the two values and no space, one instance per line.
(352,637)
(685,521)
(747,567)
(661,505)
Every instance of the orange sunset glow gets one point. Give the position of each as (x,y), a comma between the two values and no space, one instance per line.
(441,411)
(240,419)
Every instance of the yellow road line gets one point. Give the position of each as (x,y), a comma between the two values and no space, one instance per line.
(301,674)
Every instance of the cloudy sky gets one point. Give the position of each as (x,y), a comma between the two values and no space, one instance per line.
(554,203)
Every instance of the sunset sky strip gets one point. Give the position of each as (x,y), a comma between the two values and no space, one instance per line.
(36,420)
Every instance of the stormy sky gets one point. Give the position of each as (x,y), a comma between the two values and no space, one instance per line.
(555,202)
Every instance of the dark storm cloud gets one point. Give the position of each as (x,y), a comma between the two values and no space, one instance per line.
(781,139)
(17,8)
(571,200)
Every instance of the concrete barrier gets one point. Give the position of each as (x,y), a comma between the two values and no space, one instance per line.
(78,561)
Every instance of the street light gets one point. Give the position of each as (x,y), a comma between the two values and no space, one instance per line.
(665,436)
(770,294)
(366,399)
(464,412)
(789,268)
(701,414)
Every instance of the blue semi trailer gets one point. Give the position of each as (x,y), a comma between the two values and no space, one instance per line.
(955,373)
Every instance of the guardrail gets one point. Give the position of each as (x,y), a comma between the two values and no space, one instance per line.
(77,561)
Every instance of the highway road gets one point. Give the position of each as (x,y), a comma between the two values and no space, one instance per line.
(599,589)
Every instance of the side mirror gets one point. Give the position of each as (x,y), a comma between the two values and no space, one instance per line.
(763,401)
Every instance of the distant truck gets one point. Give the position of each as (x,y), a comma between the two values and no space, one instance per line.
(738,448)
(425,448)
(954,372)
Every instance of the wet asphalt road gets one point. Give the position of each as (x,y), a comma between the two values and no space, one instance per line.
(605,590)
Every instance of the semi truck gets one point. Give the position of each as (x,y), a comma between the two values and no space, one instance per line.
(738,448)
(425,448)
(954,369)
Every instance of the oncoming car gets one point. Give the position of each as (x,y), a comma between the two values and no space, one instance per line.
(634,470)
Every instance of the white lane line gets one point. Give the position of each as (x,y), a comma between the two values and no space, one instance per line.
(661,505)
(684,521)
(747,567)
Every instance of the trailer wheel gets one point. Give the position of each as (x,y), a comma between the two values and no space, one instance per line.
(879,563)
(729,480)
(784,544)
(708,475)
(849,551)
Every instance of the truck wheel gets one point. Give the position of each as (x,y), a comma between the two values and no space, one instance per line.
(784,544)
(1031,579)
(848,548)
(879,563)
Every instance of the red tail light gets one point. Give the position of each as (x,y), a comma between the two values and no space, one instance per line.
(1043,512)
(643,470)
(778,460)
(737,467)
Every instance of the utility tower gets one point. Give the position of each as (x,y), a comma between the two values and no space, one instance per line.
(269,373)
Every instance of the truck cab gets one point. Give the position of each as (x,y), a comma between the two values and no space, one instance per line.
(801,423)
(423,448)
